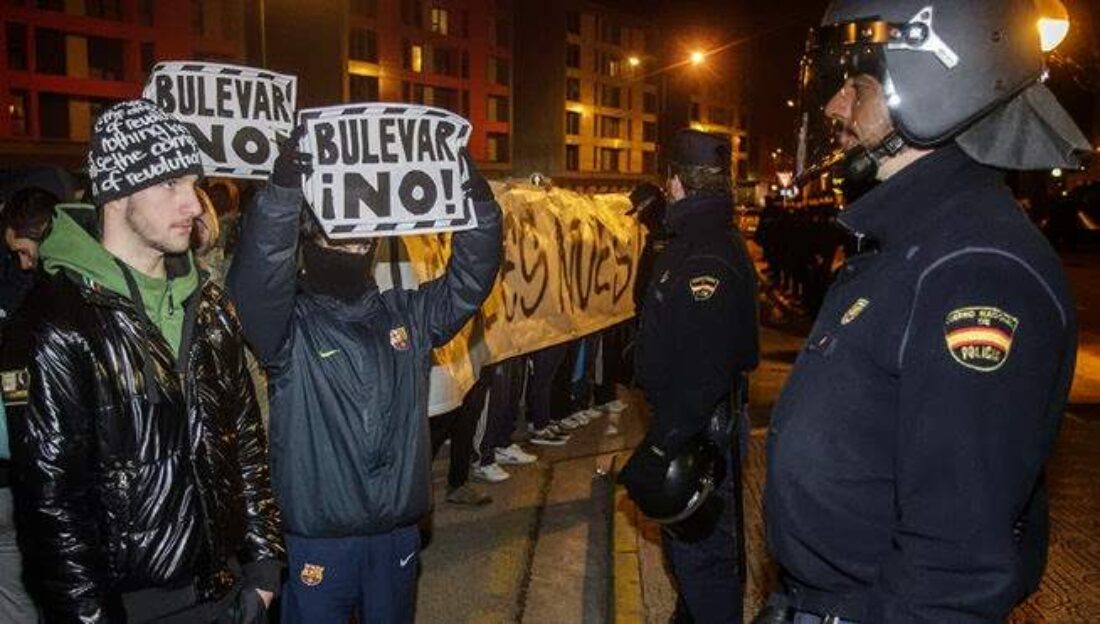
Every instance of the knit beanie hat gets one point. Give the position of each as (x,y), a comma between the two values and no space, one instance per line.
(136,145)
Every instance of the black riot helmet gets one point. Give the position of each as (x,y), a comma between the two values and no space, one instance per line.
(689,481)
(963,70)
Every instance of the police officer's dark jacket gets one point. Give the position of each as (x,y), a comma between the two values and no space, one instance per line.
(349,381)
(699,320)
(132,468)
(907,447)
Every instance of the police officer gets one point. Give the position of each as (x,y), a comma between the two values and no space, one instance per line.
(698,337)
(906,451)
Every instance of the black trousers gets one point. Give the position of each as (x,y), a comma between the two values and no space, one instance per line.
(505,391)
(460,425)
(545,365)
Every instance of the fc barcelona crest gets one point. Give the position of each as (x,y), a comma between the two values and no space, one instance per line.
(399,338)
(312,574)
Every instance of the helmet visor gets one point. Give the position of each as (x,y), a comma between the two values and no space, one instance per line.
(837,62)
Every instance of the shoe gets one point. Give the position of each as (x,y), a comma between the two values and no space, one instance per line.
(558,430)
(571,423)
(467,495)
(513,456)
(614,407)
(491,473)
(547,437)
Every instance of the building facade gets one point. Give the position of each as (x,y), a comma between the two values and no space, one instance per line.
(62,61)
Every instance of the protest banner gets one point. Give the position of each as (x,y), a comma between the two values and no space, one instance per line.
(568,270)
(236,114)
(386,169)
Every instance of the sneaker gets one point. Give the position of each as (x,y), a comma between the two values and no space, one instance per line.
(513,456)
(572,422)
(614,407)
(560,431)
(467,495)
(490,473)
(547,437)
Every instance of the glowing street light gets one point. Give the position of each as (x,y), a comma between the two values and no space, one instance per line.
(1053,23)
(634,61)
(697,57)
(790,103)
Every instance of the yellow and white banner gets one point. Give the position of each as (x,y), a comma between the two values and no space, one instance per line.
(568,270)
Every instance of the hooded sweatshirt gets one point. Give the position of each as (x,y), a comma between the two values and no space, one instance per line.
(72,245)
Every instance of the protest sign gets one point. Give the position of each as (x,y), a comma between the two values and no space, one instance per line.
(568,270)
(386,169)
(235,113)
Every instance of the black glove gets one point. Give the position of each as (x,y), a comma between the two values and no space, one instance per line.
(248,608)
(291,165)
(476,188)
(645,471)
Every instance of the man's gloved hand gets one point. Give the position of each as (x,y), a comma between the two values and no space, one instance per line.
(645,194)
(477,187)
(291,165)
(645,471)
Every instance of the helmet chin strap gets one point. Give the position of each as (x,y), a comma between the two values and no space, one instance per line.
(862,163)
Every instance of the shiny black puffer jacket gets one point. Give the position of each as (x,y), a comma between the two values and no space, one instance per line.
(125,481)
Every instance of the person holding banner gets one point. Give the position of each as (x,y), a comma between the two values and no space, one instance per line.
(140,466)
(698,338)
(349,374)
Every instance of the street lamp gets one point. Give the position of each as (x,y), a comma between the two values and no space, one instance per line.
(634,61)
(697,57)
(1053,23)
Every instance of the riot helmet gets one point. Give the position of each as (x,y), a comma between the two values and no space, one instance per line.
(964,70)
(689,480)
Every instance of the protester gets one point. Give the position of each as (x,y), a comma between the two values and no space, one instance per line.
(140,469)
(544,368)
(496,447)
(25,221)
(906,451)
(698,338)
(459,426)
(349,386)
(206,239)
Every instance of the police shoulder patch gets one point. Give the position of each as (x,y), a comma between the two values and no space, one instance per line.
(980,337)
(703,287)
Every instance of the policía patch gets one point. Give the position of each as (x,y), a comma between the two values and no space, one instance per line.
(703,287)
(312,574)
(980,337)
(853,312)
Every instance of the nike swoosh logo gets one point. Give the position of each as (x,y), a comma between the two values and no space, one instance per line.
(405,561)
(327,354)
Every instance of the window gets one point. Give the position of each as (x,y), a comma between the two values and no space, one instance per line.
(572,122)
(363,88)
(465,103)
(649,102)
(104,9)
(105,60)
(611,32)
(412,13)
(445,61)
(720,115)
(414,58)
(412,93)
(498,108)
(611,96)
(148,57)
(16,35)
(146,12)
(17,112)
(609,159)
(53,115)
(465,64)
(611,65)
(649,131)
(573,89)
(198,19)
(649,162)
(572,158)
(498,71)
(440,21)
(695,111)
(573,56)
(573,22)
(363,45)
(445,98)
(50,52)
(502,33)
(50,5)
(364,8)
(610,127)
(496,147)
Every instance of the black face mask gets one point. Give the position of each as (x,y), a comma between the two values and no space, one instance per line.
(340,274)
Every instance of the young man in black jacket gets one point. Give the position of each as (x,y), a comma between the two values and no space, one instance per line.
(348,368)
(139,465)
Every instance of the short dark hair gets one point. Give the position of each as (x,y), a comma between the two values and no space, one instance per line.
(29,212)
(700,180)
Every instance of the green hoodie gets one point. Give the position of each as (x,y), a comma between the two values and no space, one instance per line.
(71,245)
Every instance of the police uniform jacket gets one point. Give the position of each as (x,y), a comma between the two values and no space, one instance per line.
(699,321)
(348,381)
(906,451)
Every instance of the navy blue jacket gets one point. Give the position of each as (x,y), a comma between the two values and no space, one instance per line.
(699,327)
(906,450)
(348,382)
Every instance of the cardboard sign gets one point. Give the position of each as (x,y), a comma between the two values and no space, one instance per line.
(235,113)
(386,169)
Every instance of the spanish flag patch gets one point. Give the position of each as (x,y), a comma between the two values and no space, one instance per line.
(980,337)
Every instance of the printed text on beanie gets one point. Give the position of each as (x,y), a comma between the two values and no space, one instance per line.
(136,145)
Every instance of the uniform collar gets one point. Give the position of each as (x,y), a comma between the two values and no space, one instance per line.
(700,213)
(899,207)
